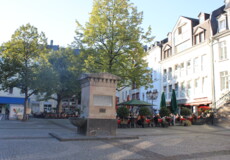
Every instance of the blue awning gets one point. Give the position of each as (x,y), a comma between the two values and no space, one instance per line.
(11,100)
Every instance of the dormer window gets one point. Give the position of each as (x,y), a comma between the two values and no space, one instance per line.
(199,38)
(222,23)
(179,30)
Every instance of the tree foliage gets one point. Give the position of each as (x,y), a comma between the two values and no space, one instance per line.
(60,76)
(20,58)
(112,41)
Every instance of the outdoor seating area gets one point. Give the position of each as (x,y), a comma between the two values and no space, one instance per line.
(157,121)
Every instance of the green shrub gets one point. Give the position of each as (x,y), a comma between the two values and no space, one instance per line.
(186,123)
(164,111)
(144,111)
(185,112)
(122,112)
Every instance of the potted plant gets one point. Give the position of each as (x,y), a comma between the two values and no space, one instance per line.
(164,112)
(185,112)
(144,111)
(123,113)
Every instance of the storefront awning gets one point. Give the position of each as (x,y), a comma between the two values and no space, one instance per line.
(11,100)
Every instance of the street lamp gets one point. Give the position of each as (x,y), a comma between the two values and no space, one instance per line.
(152,95)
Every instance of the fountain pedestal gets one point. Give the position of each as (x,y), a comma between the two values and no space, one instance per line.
(98,104)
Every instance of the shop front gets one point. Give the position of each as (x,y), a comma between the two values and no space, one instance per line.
(11,108)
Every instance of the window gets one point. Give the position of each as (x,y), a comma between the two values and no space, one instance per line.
(204,62)
(196,86)
(199,38)
(182,92)
(165,75)
(224,80)
(167,53)
(222,25)
(182,69)
(223,51)
(155,75)
(11,90)
(188,88)
(196,65)
(204,84)
(47,108)
(179,30)
(170,74)
(188,67)
(176,89)
(176,67)
(170,91)
(176,71)
(165,91)
(202,38)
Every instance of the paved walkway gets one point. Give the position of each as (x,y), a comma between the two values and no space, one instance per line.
(31,141)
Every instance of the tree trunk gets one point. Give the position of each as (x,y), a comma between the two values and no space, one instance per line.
(59,105)
(26,105)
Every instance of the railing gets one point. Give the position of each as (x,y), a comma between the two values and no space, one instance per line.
(222,100)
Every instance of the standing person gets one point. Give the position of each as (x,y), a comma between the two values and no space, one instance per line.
(173,119)
(156,120)
(7,114)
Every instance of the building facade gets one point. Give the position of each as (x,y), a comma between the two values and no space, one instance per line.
(194,61)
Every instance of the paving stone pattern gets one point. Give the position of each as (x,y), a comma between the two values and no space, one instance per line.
(31,141)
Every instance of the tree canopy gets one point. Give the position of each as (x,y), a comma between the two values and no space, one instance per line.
(20,58)
(113,41)
(60,76)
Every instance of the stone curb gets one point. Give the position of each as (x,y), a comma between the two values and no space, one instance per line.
(91,138)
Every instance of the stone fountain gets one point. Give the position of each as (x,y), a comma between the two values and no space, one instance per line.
(98,117)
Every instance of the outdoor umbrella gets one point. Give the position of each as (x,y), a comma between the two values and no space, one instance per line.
(135,102)
(174,103)
(163,102)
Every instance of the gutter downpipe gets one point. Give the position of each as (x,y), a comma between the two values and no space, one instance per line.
(213,77)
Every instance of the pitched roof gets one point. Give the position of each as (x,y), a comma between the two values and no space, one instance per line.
(214,15)
(194,21)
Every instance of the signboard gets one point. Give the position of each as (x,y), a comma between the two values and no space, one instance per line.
(103,101)
(16,111)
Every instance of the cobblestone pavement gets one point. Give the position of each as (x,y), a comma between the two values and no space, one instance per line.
(31,141)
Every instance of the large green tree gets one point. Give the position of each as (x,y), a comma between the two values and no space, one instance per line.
(20,58)
(61,74)
(113,41)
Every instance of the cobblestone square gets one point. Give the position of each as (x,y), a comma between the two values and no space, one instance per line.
(31,140)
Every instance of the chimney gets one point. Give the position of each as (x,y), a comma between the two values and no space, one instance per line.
(51,42)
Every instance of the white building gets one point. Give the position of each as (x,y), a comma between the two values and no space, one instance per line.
(193,60)
(186,62)
(220,43)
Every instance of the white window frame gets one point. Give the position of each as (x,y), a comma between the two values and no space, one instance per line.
(224,80)
(222,51)
(222,24)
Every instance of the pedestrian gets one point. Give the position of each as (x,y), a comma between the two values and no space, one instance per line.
(156,120)
(7,114)
(173,119)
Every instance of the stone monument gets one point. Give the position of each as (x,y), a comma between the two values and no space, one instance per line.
(98,93)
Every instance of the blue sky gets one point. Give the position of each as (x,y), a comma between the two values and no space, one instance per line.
(57,17)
